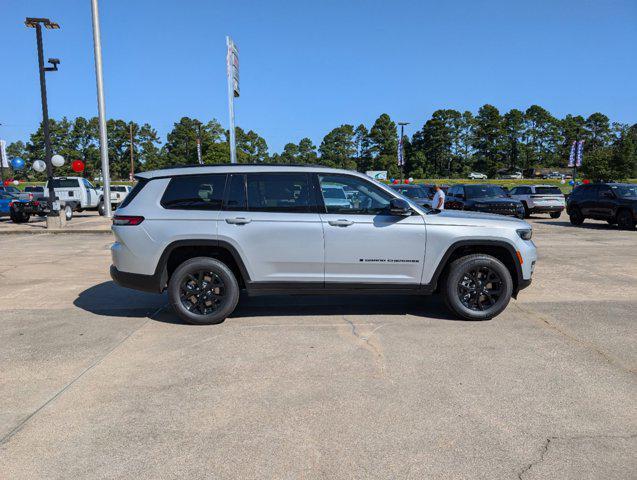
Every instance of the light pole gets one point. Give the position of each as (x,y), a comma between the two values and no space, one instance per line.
(199,158)
(401,152)
(97,48)
(54,208)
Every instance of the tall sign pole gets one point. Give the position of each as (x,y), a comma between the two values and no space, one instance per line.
(232,70)
(132,148)
(401,151)
(97,45)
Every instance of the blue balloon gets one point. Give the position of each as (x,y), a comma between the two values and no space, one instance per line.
(17,163)
(571,182)
(391,180)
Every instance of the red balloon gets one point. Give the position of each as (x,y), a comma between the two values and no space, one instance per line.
(7,183)
(77,166)
(406,180)
(586,181)
(396,182)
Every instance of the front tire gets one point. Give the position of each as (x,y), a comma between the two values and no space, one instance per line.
(527,212)
(625,220)
(477,287)
(555,214)
(101,208)
(203,291)
(576,217)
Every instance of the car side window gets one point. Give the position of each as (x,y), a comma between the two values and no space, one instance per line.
(603,192)
(353,195)
(194,192)
(279,192)
(514,191)
(87,184)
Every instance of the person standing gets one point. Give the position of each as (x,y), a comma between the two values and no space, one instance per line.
(438,201)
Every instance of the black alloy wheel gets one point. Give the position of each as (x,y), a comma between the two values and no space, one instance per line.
(477,287)
(480,288)
(202,292)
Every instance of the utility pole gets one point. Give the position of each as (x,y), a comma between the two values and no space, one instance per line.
(401,152)
(54,206)
(199,158)
(97,46)
(132,147)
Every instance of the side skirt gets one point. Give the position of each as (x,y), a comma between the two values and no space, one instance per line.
(320,288)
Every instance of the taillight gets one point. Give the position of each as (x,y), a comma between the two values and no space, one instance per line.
(127,220)
(30,196)
(36,204)
(11,204)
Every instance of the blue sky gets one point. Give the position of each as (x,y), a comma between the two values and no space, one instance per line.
(309,66)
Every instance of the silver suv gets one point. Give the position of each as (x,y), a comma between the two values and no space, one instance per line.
(205,233)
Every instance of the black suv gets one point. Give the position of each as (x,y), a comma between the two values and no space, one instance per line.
(483,198)
(614,202)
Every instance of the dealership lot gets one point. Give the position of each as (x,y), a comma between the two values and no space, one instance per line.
(103,382)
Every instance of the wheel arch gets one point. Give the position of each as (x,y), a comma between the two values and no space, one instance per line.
(181,250)
(500,249)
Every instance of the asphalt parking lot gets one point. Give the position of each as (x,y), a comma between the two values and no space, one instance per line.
(102,382)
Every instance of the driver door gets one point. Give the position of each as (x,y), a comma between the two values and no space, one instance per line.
(364,243)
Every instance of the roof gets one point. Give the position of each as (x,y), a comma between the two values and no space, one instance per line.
(242,167)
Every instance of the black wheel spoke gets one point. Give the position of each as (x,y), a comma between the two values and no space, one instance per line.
(202,292)
(480,288)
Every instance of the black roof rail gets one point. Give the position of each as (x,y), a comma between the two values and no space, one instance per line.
(264,164)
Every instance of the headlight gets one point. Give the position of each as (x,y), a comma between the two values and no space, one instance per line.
(525,233)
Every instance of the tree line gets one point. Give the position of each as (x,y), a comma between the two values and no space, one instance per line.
(449,144)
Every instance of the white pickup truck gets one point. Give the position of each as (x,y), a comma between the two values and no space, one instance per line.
(80,190)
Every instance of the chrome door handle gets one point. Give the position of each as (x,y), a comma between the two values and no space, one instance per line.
(340,223)
(238,221)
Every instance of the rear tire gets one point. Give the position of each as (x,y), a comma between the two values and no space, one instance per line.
(203,291)
(576,217)
(101,208)
(556,214)
(68,212)
(477,287)
(625,220)
(19,217)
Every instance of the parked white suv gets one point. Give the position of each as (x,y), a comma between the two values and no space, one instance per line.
(540,199)
(80,190)
(477,176)
(204,233)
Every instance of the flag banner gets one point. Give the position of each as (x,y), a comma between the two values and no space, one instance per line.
(401,160)
(580,153)
(232,62)
(3,154)
(571,157)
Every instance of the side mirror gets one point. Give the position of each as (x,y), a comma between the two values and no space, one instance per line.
(398,206)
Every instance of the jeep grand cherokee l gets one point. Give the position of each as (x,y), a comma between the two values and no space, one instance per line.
(205,233)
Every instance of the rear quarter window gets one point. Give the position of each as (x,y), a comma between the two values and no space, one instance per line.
(65,183)
(194,192)
(136,189)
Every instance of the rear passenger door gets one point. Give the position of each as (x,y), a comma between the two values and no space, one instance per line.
(272,221)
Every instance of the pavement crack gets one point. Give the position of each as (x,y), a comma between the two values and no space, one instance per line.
(546,322)
(551,440)
(57,395)
(367,342)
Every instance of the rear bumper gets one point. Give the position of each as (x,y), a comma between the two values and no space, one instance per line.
(136,281)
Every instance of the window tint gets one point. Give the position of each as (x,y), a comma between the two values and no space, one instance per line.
(194,192)
(133,193)
(369,199)
(625,191)
(65,183)
(482,191)
(118,188)
(279,192)
(34,189)
(548,190)
(236,193)
(523,190)
(87,184)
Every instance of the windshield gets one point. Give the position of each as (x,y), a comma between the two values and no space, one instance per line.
(625,191)
(480,191)
(413,192)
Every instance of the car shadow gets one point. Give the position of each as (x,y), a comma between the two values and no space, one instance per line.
(111,300)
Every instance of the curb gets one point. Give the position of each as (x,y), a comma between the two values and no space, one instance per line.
(54,232)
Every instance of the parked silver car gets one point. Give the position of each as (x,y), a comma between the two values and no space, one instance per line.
(204,233)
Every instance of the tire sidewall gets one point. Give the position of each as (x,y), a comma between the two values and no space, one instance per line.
(230,284)
(576,217)
(460,267)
